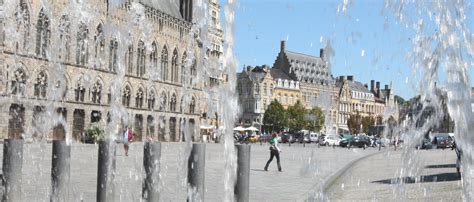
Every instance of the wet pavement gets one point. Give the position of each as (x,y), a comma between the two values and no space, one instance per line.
(379,177)
(305,170)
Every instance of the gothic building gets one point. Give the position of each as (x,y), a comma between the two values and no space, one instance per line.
(67,65)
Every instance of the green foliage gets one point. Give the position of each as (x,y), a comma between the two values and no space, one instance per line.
(315,119)
(355,122)
(297,117)
(95,133)
(275,116)
(366,122)
(399,100)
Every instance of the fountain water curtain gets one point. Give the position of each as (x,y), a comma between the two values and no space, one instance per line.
(107,48)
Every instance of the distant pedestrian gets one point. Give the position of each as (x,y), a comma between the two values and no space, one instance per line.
(274,152)
(127,137)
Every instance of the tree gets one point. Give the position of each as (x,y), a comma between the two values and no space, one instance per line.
(353,123)
(297,117)
(366,123)
(315,119)
(275,116)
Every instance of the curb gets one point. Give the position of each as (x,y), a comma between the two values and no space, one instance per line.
(332,179)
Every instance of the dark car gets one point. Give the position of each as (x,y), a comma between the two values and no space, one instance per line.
(441,141)
(359,141)
(425,144)
(345,139)
(287,137)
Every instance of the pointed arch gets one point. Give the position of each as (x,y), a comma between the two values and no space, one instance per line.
(113,56)
(43,34)
(151,99)
(154,56)
(79,90)
(18,82)
(127,91)
(99,41)
(141,59)
(97,91)
(139,98)
(173,102)
(23,22)
(64,37)
(164,63)
(163,101)
(41,85)
(174,66)
(183,67)
(129,59)
(192,105)
(82,50)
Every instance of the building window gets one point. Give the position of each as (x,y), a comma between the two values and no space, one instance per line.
(193,71)
(82,51)
(173,102)
(113,55)
(164,64)
(43,34)
(99,42)
(174,66)
(64,38)
(80,92)
(192,105)
(151,100)
(154,56)
(183,68)
(40,85)
(23,22)
(139,98)
(163,102)
(96,92)
(126,96)
(18,82)
(141,59)
(129,60)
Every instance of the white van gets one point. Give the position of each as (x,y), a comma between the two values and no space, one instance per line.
(313,137)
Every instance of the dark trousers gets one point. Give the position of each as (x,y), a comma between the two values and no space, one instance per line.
(274,153)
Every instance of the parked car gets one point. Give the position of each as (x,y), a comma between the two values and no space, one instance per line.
(330,140)
(345,139)
(287,137)
(441,140)
(359,141)
(424,144)
(313,137)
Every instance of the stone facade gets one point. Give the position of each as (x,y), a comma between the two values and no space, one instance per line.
(73,64)
(317,87)
(255,88)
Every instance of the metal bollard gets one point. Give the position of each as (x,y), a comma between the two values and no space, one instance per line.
(106,171)
(241,189)
(151,164)
(12,164)
(60,170)
(196,175)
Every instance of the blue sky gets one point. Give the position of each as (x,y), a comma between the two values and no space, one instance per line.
(368,42)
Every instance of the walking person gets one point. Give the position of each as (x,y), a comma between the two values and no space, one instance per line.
(127,137)
(274,152)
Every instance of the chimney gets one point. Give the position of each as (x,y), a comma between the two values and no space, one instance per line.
(350,78)
(366,86)
(372,83)
(282,46)
(377,85)
(386,87)
(321,53)
(249,68)
(341,78)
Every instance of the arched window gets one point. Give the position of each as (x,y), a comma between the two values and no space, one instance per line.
(23,21)
(82,50)
(64,37)
(193,71)
(183,68)
(113,55)
(126,96)
(43,34)
(141,59)
(173,103)
(154,56)
(151,100)
(41,84)
(163,101)
(139,98)
(192,105)
(99,40)
(174,66)
(80,91)
(129,60)
(97,92)
(18,82)
(164,64)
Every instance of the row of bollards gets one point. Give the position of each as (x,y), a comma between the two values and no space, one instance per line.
(60,171)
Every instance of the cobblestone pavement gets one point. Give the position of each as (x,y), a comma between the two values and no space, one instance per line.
(304,170)
(377,178)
